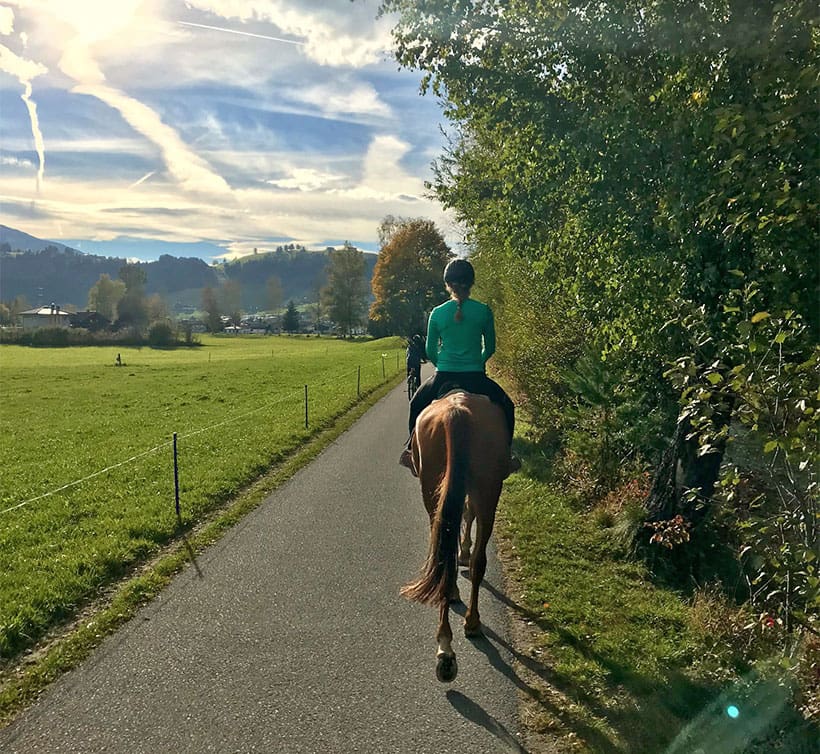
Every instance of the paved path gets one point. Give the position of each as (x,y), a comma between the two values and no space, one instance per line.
(293,636)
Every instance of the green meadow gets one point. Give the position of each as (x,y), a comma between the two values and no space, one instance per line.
(87,479)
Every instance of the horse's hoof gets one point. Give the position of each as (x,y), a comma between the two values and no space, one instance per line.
(446,668)
(455,597)
(473,632)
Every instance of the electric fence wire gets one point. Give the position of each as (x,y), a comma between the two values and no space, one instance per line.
(168,443)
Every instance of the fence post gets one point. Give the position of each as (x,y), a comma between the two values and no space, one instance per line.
(306,407)
(176,476)
(383,373)
(397,361)
(359,383)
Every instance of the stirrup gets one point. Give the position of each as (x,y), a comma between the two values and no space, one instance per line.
(406,460)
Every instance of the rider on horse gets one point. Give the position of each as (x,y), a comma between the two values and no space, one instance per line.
(415,356)
(460,340)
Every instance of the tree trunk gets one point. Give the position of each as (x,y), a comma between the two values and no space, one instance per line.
(680,470)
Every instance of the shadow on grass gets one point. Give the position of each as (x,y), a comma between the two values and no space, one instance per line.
(537,457)
(649,714)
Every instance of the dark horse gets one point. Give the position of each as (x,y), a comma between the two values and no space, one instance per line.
(461,452)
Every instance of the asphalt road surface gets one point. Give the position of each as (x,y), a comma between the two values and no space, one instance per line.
(292,637)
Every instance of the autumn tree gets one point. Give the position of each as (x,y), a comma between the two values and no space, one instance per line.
(213,313)
(346,289)
(132,310)
(104,296)
(231,300)
(407,279)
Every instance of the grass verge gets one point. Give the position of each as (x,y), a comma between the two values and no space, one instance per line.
(609,660)
(23,681)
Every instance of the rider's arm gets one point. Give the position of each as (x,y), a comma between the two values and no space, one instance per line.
(431,346)
(489,336)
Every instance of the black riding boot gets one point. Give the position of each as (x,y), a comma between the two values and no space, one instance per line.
(406,457)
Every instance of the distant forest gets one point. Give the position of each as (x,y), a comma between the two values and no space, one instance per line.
(65,276)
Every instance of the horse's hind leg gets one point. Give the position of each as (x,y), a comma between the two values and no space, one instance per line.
(478,566)
(466,541)
(446,665)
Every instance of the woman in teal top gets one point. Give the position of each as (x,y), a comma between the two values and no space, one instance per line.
(460,340)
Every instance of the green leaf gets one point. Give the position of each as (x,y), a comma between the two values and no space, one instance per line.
(770,446)
(759,317)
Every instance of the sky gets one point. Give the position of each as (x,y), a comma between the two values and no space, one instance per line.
(209,127)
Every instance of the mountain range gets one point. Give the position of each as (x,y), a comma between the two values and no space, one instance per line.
(46,272)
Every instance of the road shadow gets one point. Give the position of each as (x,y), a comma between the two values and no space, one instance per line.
(189,549)
(476,714)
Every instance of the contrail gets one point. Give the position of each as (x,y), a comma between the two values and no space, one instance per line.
(243,33)
(142,180)
(35,132)
(24,71)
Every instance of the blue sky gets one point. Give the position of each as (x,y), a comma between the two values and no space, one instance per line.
(209,125)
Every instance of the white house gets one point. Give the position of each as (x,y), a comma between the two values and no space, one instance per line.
(45,316)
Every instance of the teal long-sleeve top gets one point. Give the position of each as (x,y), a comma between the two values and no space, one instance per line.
(461,346)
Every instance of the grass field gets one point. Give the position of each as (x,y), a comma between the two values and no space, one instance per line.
(237,405)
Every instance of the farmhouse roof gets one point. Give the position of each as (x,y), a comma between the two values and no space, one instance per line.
(47,311)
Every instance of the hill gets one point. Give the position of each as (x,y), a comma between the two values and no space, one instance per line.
(45,272)
(17,239)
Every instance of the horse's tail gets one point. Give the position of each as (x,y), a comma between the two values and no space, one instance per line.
(439,572)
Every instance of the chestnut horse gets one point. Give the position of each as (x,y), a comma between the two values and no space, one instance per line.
(460,452)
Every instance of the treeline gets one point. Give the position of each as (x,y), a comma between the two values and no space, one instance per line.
(65,277)
(122,308)
(639,186)
(301,273)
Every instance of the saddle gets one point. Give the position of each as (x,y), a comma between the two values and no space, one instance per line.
(453,386)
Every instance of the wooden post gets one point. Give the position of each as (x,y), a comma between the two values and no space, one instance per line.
(176,476)
(359,383)
(383,372)
(306,407)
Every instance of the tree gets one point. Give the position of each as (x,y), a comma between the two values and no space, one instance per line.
(345,291)
(132,310)
(273,293)
(231,295)
(213,314)
(157,308)
(11,311)
(105,295)
(290,322)
(318,283)
(407,280)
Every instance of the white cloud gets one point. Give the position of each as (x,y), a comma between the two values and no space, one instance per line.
(6,20)
(353,98)
(308,179)
(77,62)
(16,162)
(342,36)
